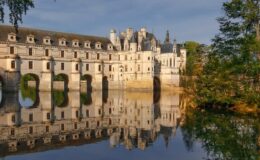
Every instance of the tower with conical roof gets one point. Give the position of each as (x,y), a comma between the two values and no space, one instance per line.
(167,38)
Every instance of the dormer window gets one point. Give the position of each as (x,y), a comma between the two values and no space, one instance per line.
(75,43)
(47,40)
(12,37)
(30,39)
(98,45)
(87,44)
(62,42)
(109,47)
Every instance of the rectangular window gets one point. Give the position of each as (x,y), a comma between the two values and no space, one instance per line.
(110,68)
(30,117)
(46,52)
(110,57)
(13,64)
(62,127)
(30,130)
(87,55)
(62,115)
(62,66)
(77,67)
(62,53)
(30,51)
(98,56)
(87,67)
(11,50)
(99,67)
(47,129)
(48,66)
(138,67)
(126,57)
(139,56)
(12,132)
(48,116)
(87,113)
(126,68)
(30,64)
(75,125)
(75,54)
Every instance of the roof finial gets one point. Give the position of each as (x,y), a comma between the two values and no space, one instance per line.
(167,38)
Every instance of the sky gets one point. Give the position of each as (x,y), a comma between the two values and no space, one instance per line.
(185,19)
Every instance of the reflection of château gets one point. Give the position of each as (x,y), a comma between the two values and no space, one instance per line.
(131,118)
(130,60)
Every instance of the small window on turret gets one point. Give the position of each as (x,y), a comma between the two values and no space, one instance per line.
(13,64)
(12,50)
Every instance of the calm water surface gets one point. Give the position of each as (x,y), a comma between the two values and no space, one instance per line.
(120,125)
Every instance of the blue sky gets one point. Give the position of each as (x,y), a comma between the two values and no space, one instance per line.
(186,19)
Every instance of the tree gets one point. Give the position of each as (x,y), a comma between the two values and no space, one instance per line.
(16,8)
(232,73)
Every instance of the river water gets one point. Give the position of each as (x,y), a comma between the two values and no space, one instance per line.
(119,125)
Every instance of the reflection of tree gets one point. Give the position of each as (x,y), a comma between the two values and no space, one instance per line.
(26,91)
(85,98)
(60,98)
(223,136)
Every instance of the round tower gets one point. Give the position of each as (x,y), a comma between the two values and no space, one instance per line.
(113,36)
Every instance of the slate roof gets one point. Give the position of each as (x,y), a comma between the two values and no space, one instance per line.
(54,36)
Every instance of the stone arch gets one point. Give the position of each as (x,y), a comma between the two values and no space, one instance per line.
(30,80)
(88,79)
(61,82)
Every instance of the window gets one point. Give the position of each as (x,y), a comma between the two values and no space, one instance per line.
(87,55)
(62,53)
(148,58)
(99,67)
(87,67)
(126,57)
(13,64)
(110,57)
(13,118)
(62,127)
(48,116)
(98,56)
(148,69)
(75,54)
(138,67)
(139,56)
(62,115)
(110,68)
(62,66)
(30,51)
(30,117)
(30,64)
(12,131)
(47,129)
(30,130)
(87,113)
(46,52)
(126,68)
(75,125)
(48,66)
(87,124)
(77,67)
(11,50)
(77,114)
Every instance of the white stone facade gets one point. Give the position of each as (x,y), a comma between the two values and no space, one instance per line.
(130,61)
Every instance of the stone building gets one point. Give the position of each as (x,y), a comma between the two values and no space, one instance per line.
(132,60)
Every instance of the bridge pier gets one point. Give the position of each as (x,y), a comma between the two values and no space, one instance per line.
(46,81)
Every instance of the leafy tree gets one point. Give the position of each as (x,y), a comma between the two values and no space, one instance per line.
(232,73)
(16,10)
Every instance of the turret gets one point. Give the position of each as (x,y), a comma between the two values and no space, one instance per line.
(113,36)
(133,44)
(174,46)
(167,38)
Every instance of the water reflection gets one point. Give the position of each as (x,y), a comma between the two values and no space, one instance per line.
(38,121)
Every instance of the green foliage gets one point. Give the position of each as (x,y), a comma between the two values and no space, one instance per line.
(60,98)
(26,91)
(232,72)
(223,135)
(17,8)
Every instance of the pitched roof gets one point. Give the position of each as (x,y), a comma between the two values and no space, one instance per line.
(54,36)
